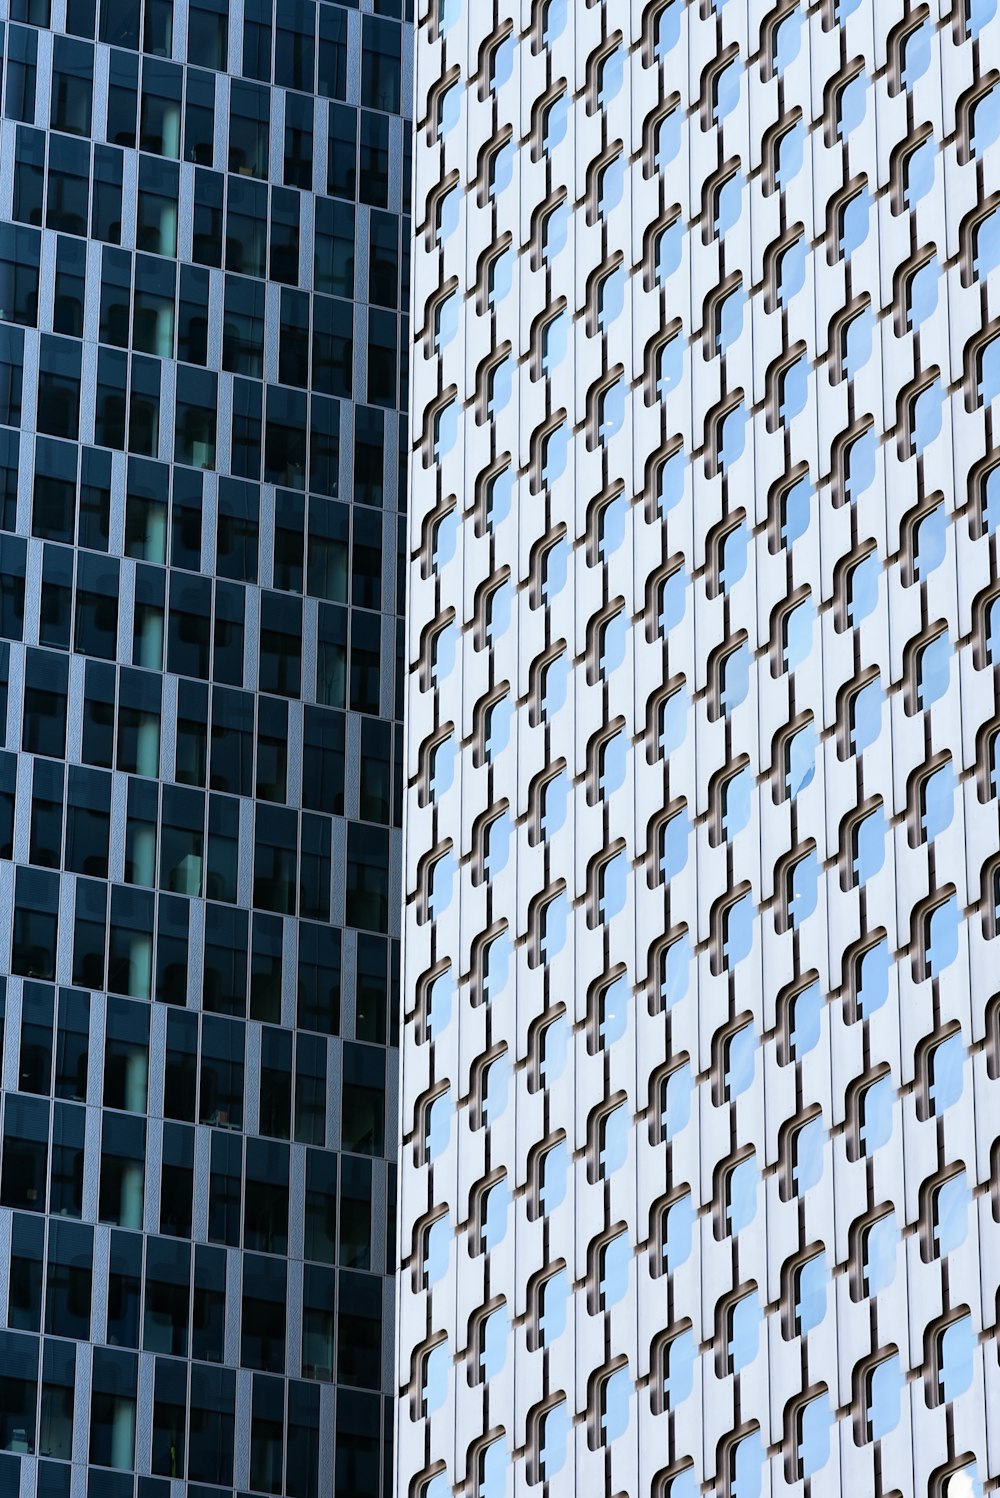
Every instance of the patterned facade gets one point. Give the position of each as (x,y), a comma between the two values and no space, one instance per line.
(700,1174)
(204,239)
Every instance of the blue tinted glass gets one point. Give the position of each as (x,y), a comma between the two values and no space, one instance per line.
(787,40)
(678,1370)
(801,759)
(498,724)
(947,1073)
(616,1129)
(986,122)
(494,1353)
(445,429)
(555,20)
(742,1205)
(942,943)
(556,122)
(493,1482)
(435,1390)
(555,1302)
(442,885)
(807,1165)
(993,632)
(805,889)
(555,1439)
(810,1298)
(855,223)
(668,27)
(798,631)
(676,972)
(741,1054)
(873,985)
(438,1245)
(495,1216)
(744,1333)
(555,339)
(555,453)
(792,271)
(555,683)
(727,89)
(862,587)
(917,53)
(554,919)
(748,1466)
(611,76)
(439,1125)
(867,716)
(554,803)
(791,153)
(443,763)
(733,436)
(923,298)
(987,244)
(885,1389)
(612,526)
(671,367)
(958,1347)
(502,168)
(556,1044)
(613,642)
(739,923)
(556,566)
(614,886)
(980,13)
(877,1106)
(807,1014)
(615,1259)
(880,1254)
(678,1231)
(555,231)
(951,1214)
(449,212)
(729,203)
(611,298)
(730,318)
(611,185)
(853,103)
(501,384)
(497,1091)
(814,1442)
(496,965)
(668,139)
(938,801)
(669,248)
(676,1104)
(555,1173)
(735,547)
(674,844)
(737,798)
(869,855)
(858,342)
(859,464)
(614,763)
(928,413)
(612,412)
(614,1010)
(673,722)
(919,172)
(440,997)
(450,108)
(446,326)
(735,678)
(614,1417)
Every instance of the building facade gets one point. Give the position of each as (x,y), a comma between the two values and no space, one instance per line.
(700,1174)
(204,242)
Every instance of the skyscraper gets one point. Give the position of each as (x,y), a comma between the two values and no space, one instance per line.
(204,242)
(700,1181)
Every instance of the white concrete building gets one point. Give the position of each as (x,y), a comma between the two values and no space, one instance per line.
(700,1180)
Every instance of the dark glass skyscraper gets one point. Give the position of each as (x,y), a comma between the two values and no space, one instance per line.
(204,228)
